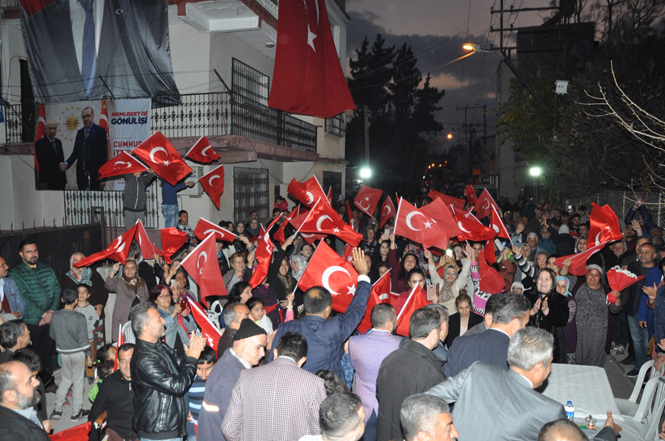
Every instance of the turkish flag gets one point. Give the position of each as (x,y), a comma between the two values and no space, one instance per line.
(307,192)
(205,227)
(387,211)
(118,250)
(201,265)
(158,153)
(604,225)
(172,240)
(279,234)
(330,195)
(76,433)
(322,219)
(104,123)
(367,199)
(326,268)
(263,254)
(579,260)
(442,216)
(202,152)
(415,301)
(414,224)
(208,330)
(498,225)
(380,294)
(148,249)
(484,204)
(121,165)
(348,253)
(449,200)
(41,130)
(213,184)
(490,279)
(472,229)
(308,78)
(470,194)
(121,341)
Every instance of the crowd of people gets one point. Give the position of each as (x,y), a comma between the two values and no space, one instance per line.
(289,367)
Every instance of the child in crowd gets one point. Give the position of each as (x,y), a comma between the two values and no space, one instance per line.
(104,369)
(204,366)
(69,330)
(183,225)
(106,352)
(258,314)
(92,318)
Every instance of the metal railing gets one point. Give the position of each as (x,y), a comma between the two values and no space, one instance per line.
(13,123)
(200,114)
(8,4)
(84,207)
(336,125)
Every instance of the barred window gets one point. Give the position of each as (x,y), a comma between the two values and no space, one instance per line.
(336,125)
(250,192)
(334,180)
(250,83)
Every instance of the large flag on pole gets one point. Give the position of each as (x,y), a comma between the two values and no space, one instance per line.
(122,164)
(208,330)
(367,199)
(308,78)
(604,225)
(202,152)
(160,155)
(213,184)
(118,250)
(201,265)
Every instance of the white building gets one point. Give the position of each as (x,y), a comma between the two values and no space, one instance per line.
(223,55)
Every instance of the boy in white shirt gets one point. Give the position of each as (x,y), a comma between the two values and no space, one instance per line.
(92,319)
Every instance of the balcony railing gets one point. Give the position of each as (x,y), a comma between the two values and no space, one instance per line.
(213,114)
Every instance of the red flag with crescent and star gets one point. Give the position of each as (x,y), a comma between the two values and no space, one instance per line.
(470,194)
(603,225)
(308,78)
(297,221)
(578,261)
(326,268)
(449,200)
(213,184)
(307,192)
(263,253)
(498,225)
(419,227)
(158,153)
(367,199)
(148,249)
(322,219)
(484,204)
(387,211)
(471,228)
(490,280)
(118,250)
(202,152)
(122,164)
(380,294)
(279,234)
(172,240)
(208,330)
(201,265)
(205,227)
(442,216)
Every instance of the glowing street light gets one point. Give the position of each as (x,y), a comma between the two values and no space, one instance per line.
(535,171)
(365,173)
(478,47)
(449,136)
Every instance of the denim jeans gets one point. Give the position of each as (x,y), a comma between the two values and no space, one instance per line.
(371,428)
(170,215)
(640,337)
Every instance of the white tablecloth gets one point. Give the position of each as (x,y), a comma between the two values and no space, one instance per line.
(587,387)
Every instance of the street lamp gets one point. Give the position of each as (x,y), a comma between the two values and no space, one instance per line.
(535,173)
(365,173)
(478,47)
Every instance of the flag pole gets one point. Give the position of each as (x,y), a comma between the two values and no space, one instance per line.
(306,218)
(407,302)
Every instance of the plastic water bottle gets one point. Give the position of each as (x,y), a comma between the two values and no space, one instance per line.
(570,410)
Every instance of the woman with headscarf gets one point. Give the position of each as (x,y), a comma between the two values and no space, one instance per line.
(451,282)
(129,290)
(252,228)
(99,295)
(570,330)
(592,317)
(549,308)
(298,265)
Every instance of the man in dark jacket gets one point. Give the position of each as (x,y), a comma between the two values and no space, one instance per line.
(409,370)
(160,380)
(134,198)
(90,152)
(18,396)
(115,397)
(49,156)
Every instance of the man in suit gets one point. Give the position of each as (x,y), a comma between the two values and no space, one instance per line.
(412,369)
(248,349)
(326,336)
(426,417)
(49,157)
(491,403)
(90,152)
(260,410)
(512,313)
(366,352)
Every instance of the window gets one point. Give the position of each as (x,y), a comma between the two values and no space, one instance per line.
(334,180)
(336,125)
(250,83)
(250,192)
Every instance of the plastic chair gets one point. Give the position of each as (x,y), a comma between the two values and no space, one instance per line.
(647,417)
(215,311)
(629,406)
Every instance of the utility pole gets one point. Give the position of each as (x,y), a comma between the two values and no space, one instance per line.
(469,132)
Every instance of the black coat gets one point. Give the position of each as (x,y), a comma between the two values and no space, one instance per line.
(89,154)
(409,370)
(116,397)
(16,427)
(50,175)
(159,393)
(454,326)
